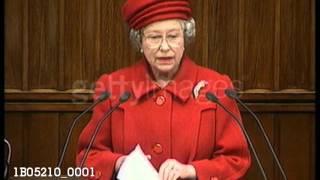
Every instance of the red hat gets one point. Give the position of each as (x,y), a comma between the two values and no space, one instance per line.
(139,13)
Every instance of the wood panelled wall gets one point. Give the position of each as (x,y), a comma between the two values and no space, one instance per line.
(56,49)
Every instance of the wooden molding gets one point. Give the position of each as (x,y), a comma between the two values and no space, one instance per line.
(80,106)
(85,95)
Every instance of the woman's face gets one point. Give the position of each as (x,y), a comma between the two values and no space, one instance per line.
(163,45)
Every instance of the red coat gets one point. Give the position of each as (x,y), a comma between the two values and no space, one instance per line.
(168,123)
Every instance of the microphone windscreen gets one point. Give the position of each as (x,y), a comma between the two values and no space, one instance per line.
(124,97)
(212,97)
(104,95)
(231,93)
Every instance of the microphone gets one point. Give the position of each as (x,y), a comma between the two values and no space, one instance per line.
(211,97)
(123,98)
(233,95)
(102,97)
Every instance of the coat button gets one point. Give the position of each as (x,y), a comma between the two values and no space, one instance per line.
(157,148)
(160,100)
(97,175)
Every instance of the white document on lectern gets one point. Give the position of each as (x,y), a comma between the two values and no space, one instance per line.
(137,167)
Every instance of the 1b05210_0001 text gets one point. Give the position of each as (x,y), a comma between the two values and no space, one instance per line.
(52,172)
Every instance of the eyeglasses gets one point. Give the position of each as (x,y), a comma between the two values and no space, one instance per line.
(154,41)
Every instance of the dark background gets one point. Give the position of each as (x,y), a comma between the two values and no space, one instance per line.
(56,49)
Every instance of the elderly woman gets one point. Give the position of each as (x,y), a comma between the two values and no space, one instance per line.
(186,136)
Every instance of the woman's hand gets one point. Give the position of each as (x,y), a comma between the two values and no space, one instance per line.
(171,169)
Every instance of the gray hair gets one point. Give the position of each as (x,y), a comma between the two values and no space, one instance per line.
(189,32)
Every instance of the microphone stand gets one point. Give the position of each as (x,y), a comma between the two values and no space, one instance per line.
(211,97)
(102,97)
(233,95)
(123,98)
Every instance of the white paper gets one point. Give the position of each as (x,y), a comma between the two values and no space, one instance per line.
(137,167)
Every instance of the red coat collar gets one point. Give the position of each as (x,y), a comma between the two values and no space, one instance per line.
(181,86)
